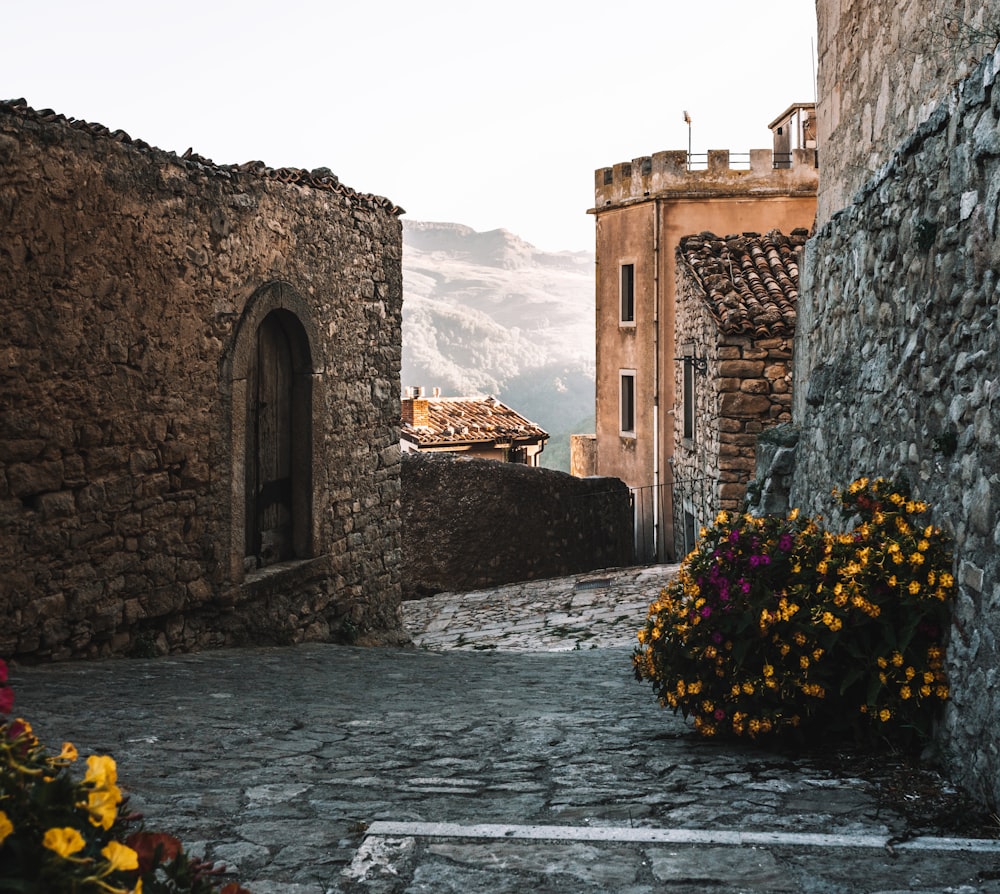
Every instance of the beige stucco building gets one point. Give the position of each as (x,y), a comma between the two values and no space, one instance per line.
(642,208)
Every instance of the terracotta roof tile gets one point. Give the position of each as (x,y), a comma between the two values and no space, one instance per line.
(321,178)
(462,420)
(751,282)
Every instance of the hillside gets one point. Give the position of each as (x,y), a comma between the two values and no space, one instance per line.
(487,313)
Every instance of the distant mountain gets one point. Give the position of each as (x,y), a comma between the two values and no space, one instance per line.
(487,313)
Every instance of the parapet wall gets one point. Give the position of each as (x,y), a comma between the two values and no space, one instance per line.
(668,174)
(469,524)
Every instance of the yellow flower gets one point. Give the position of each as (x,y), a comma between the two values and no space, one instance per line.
(946,579)
(768,670)
(885,715)
(120,856)
(917,558)
(68,753)
(925,691)
(911,672)
(722,518)
(6,826)
(65,841)
(103,806)
(897,659)
(942,692)
(923,546)
(105,796)
(803,662)
(914,587)
(101,770)
(904,692)
(748,688)
(794,514)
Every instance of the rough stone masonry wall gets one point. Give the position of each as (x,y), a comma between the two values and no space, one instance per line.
(125,275)
(897,372)
(469,524)
(883,67)
(745,390)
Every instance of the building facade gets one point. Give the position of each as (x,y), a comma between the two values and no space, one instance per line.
(469,427)
(897,359)
(199,412)
(736,309)
(642,209)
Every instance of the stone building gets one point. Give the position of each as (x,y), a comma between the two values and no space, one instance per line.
(897,363)
(471,427)
(199,379)
(642,209)
(735,321)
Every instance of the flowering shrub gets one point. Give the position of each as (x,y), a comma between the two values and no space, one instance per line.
(60,834)
(774,624)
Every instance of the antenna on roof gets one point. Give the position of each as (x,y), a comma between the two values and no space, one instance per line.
(687,121)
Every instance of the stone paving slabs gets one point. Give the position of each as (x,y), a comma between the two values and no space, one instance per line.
(320,768)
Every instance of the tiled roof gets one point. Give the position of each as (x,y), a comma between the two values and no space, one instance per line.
(462,420)
(321,178)
(750,282)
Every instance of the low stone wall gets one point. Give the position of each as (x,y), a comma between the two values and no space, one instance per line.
(469,524)
(897,372)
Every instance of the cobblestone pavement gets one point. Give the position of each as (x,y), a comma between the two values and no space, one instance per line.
(512,751)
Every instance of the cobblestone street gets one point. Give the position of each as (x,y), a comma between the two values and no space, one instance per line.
(511,751)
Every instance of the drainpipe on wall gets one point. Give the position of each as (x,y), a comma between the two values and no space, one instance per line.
(656,378)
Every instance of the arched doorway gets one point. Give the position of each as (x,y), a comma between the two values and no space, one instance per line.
(278,458)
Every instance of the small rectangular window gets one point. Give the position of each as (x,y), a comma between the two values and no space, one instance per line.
(627,402)
(628,293)
(689,399)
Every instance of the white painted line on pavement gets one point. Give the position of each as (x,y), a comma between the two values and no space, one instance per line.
(675,836)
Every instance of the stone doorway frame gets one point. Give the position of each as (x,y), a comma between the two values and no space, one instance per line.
(294,314)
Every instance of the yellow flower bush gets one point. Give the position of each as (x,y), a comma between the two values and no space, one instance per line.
(782,626)
(61,835)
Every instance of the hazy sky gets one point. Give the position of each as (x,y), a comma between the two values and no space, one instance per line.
(488,114)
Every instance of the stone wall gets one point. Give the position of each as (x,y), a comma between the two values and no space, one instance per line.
(469,524)
(134,284)
(883,68)
(744,389)
(898,344)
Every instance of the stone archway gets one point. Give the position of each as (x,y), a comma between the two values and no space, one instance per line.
(272,432)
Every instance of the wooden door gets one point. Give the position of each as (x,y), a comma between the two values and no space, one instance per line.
(269,448)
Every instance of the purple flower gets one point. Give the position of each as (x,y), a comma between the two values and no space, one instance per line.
(745,585)
(734,535)
(720,714)
(717,637)
(785,542)
(706,611)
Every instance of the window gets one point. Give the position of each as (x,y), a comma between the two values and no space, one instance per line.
(627,294)
(627,402)
(689,399)
(690,531)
